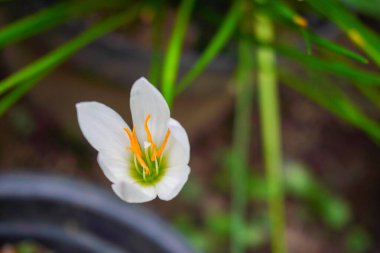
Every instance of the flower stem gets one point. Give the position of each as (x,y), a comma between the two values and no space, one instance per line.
(241,142)
(270,125)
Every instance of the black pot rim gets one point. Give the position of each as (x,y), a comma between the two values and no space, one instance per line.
(79,194)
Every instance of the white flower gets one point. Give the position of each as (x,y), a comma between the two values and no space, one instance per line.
(148,161)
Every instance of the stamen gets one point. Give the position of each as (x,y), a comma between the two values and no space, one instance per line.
(156,163)
(161,149)
(147,158)
(143,164)
(149,136)
(150,140)
(135,161)
(135,148)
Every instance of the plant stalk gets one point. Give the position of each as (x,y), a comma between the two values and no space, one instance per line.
(270,127)
(241,142)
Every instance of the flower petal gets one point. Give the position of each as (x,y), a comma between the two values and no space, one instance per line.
(173,181)
(134,193)
(178,147)
(115,168)
(103,127)
(145,100)
(177,130)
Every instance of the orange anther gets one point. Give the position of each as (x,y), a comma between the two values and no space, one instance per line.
(150,140)
(161,149)
(148,134)
(135,148)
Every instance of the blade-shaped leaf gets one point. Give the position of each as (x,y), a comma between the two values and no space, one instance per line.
(47,18)
(361,35)
(283,10)
(334,100)
(13,96)
(334,67)
(333,47)
(57,56)
(215,46)
(173,53)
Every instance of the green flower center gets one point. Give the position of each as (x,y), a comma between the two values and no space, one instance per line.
(157,168)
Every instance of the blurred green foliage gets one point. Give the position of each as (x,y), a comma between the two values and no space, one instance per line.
(358,240)
(314,200)
(25,247)
(301,184)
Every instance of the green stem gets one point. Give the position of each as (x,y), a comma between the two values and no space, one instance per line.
(241,142)
(270,125)
(56,57)
(171,64)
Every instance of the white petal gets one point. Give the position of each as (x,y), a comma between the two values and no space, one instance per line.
(177,130)
(115,168)
(134,193)
(172,183)
(178,147)
(146,99)
(102,127)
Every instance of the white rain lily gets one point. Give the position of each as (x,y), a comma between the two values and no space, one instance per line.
(148,161)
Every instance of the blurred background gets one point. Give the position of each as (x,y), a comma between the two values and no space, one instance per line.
(280,100)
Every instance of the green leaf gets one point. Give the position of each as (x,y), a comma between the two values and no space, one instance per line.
(215,46)
(367,7)
(9,99)
(333,47)
(308,41)
(372,94)
(173,54)
(286,12)
(157,39)
(330,66)
(333,99)
(59,55)
(327,65)
(362,36)
(47,18)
